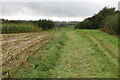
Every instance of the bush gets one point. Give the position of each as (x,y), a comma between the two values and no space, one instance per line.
(106,20)
(95,21)
(46,24)
(111,24)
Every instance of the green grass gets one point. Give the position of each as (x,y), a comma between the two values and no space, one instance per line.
(52,53)
(19,28)
(85,58)
(78,54)
(106,51)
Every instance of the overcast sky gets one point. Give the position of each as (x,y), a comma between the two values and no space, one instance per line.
(57,10)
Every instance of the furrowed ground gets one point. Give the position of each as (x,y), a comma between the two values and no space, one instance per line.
(17,48)
(64,53)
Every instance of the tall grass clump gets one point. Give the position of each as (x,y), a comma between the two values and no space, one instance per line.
(111,24)
(19,28)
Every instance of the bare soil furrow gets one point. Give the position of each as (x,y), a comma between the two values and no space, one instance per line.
(21,60)
(18,49)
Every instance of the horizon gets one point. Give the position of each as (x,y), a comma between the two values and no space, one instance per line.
(37,20)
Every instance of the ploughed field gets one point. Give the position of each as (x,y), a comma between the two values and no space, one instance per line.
(64,53)
(17,48)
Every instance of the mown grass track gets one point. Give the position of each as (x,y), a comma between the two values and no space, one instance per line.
(86,57)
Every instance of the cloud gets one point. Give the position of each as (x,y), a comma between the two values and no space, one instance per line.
(54,9)
(59,0)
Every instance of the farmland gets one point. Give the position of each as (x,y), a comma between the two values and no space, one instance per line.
(60,53)
(19,28)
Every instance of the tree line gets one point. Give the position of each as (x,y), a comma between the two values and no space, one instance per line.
(106,20)
(21,26)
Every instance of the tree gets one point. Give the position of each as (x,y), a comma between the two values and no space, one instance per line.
(96,21)
(46,24)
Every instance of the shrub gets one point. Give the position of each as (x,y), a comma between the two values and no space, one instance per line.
(95,21)
(106,20)
(111,24)
(46,24)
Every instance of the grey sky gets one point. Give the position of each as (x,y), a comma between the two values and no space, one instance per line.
(54,9)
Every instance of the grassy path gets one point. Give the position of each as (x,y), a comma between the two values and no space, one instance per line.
(84,56)
(78,54)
